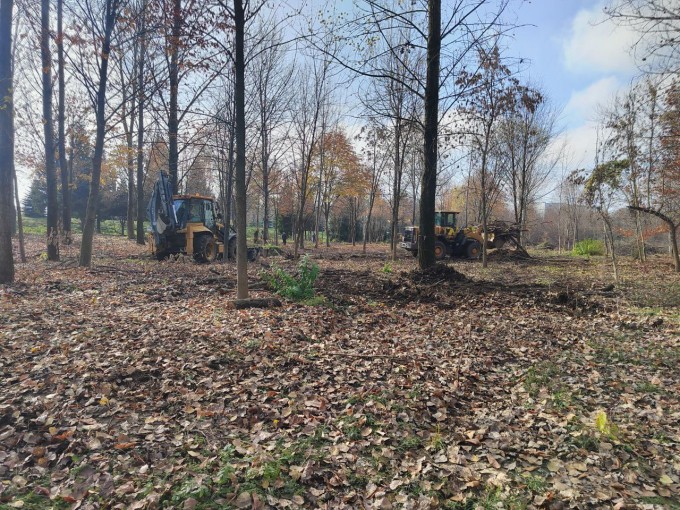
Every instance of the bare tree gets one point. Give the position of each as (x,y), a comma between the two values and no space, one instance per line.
(272,79)
(48,128)
(664,202)
(101,16)
(241,13)
(444,46)
(601,189)
(376,165)
(494,93)
(61,121)
(6,142)
(307,120)
(525,137)
(141,105)
(658,23)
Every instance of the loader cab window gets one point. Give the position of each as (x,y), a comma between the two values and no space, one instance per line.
(188,211)
(445,219)
(209,214)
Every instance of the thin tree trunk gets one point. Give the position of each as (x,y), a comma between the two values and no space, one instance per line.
(396,187)
(173,78)
(610,235)
(640,238)
(672,231)
(483,185)
(20,221)
(93,197)
(6,142)
(240,177)
(265,190)
(428,187)
(128,127)
(61,121)
(48,129)
(140,126)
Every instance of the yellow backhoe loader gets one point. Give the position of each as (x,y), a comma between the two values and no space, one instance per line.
(462,242)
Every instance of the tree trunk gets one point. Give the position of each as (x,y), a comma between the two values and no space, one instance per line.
(428,187)
(140,126)
(396,188)
(265,193)
(173,78)
(6,142)
(100,114)
(640,238)
(674,247)
(610,235)
(20,221)
(672,231)
(61,120)
(48,129)
(131,182)
(240,177)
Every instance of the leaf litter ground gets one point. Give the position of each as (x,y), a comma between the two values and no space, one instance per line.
(530,384)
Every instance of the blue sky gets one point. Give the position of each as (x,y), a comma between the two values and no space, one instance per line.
(580,60)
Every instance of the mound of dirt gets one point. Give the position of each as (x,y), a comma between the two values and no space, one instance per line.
(505,254)
(437,273)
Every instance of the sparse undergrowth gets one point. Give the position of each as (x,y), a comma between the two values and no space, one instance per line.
(131,385)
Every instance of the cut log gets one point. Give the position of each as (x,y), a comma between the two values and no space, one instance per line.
(241,304)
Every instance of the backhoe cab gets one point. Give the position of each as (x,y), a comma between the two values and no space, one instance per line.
(186,224)
(461,242)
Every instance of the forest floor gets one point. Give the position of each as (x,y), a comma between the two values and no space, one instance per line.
(529,384)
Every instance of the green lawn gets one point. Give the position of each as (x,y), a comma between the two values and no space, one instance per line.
(39,226)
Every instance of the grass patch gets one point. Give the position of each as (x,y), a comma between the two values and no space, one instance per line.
(535,484)
(541,375)
(670,503)
(588,248)
(647,387)
(409,443)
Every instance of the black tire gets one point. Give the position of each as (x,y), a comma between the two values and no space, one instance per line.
(439,250)
(205,248)
(473,250)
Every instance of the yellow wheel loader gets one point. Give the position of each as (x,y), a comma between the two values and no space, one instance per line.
(186,224)
(462,242)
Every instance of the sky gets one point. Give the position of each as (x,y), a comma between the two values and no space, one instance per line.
(579,59)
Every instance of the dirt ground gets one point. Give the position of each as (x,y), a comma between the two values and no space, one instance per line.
(529,384)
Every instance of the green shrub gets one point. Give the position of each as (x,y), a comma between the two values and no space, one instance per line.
(299,287)
(589,247)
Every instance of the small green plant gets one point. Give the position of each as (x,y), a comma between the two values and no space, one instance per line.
(409,443)
(536,484)
(605,426)
(437,440)
(387,268)
(588,247)
(542,374)
(298,288)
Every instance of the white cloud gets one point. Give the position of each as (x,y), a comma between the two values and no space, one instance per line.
(580,145)
(583,104)
(595,44)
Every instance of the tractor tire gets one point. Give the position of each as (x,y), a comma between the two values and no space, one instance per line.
(231,249)
(205,248)
(473,250)
(439,250)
